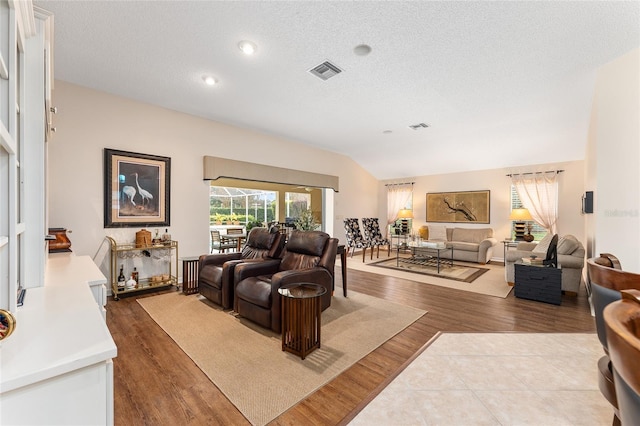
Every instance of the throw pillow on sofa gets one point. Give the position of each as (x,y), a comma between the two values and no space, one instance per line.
(438,232)
(423,232)
(543,245)
(567,245)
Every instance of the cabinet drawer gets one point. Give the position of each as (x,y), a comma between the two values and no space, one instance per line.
(538,283)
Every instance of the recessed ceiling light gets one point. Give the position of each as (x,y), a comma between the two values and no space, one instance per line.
(209,80)
(248,47)
(362,49)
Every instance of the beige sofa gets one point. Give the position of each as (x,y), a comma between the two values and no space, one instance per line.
(570,259)
(469,244)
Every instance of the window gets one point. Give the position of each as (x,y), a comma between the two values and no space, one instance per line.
(295,204)
(537,231)
(228,206)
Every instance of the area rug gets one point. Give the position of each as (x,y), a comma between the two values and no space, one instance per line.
(465,273)
(246,362)
(490,283)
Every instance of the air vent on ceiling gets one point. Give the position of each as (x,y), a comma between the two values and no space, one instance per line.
(419,126)
(325,70)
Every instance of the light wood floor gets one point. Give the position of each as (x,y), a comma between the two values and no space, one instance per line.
(157,384)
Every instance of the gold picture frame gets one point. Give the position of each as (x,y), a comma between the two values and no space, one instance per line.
(458,207)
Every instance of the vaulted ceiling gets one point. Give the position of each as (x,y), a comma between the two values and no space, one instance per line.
(499,84)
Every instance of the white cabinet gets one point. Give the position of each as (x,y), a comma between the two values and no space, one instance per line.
(63,268)
(59,359)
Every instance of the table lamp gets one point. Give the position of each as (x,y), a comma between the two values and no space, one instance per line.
(519,216)
(404,215)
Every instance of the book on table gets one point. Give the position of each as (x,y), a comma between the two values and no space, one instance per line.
(532,261)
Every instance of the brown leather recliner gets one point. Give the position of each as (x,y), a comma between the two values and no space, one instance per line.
(215,271)
(308,257)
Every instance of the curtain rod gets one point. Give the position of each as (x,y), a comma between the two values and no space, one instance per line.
(403,183)
(535,173)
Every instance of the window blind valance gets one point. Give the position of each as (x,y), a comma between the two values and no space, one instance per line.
(216,168)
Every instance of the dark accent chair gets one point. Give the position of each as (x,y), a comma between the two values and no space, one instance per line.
(354,237)
(309,256)
(215,271)
(622,320)
(606,280)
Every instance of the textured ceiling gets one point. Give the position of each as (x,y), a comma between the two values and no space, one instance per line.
(501,84)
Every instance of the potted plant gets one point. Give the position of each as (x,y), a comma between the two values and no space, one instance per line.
(306,221)
(253,224)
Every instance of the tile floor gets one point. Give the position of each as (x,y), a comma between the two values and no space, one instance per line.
(496,379)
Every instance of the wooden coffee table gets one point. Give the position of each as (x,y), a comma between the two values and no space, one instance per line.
(301,309)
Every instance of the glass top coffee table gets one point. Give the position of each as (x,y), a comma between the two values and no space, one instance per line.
(427,253)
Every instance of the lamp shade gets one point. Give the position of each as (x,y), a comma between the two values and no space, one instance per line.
(405,214)
(520,215)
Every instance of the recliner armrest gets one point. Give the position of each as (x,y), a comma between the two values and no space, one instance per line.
(253,269)
(217,259)
(313,275)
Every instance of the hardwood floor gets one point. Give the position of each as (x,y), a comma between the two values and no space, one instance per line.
(157,384)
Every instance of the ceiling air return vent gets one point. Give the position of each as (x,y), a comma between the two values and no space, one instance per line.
(419,126)
(325,70)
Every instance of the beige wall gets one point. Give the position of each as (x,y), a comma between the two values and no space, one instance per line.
(89,121)
(613,161)
(571,186)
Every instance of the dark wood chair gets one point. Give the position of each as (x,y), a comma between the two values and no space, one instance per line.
(606,280)
(622,320)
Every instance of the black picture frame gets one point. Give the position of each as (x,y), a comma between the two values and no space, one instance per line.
(136,189)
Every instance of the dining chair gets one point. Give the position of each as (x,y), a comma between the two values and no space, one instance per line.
(218,244)
(236,241)
(373,236)
(354,236)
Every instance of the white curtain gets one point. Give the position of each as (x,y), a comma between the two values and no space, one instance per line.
(539,194)
(397,198)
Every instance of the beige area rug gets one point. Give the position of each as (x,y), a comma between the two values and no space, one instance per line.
(491,283)
(246,361)
(457,272)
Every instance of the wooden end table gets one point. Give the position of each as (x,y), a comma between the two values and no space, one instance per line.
(190,274)
(301,309)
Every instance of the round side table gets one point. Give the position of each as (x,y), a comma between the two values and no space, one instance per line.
(301,309)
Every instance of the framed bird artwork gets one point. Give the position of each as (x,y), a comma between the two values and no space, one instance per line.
(136,190)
